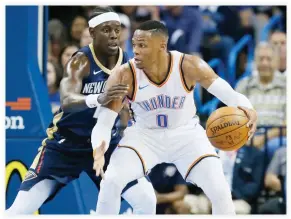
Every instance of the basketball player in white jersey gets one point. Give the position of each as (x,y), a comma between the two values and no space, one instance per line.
(161,87)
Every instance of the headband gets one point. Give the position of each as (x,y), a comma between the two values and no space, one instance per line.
(108,16)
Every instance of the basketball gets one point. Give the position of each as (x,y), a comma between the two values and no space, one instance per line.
(226,128)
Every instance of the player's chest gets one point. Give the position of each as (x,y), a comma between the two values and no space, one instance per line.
(95,83)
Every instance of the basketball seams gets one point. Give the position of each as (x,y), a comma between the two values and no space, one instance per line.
(228,131)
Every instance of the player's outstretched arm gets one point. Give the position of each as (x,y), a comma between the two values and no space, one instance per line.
(108,112)
(76,69)
(122,76)
(101,133)
(197,70)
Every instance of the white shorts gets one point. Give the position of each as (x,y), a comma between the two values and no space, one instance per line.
(184,146)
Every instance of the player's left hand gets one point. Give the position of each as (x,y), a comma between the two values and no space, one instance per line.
(99,160)
(253,118)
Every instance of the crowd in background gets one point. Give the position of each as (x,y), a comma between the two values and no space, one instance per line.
(256,172)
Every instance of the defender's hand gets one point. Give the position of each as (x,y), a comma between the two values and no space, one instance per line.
(253,119)
(113,93)
(99,160)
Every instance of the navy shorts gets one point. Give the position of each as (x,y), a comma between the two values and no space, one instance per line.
(64,162)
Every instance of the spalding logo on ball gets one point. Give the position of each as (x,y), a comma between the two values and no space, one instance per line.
(226,128)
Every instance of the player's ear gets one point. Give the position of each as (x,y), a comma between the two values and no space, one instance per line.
(91,31)
(163,46)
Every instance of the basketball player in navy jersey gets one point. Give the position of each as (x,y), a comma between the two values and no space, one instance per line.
(167,129)
(67,150)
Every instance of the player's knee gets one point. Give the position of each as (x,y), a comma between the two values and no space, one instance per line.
(214,183)
(113,182)
(218,189)
(220,192)
(146,205)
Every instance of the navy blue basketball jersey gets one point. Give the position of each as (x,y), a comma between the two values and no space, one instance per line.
(79,125)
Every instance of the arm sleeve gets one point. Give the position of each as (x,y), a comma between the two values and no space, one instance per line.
(225,93)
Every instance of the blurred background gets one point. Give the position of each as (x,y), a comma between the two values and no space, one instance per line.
(245,45)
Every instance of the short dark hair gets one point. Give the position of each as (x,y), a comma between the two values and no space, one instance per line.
(98,10)
(154,26)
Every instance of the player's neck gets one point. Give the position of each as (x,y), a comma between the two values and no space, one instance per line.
(159,69)
(106,60)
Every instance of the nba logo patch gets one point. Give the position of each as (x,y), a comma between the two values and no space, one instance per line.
(29,175)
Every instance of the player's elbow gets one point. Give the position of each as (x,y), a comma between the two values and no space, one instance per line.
(68,106)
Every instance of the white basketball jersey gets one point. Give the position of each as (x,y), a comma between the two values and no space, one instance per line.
(169,104)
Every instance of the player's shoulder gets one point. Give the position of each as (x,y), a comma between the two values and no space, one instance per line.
(193,62)
(123,71)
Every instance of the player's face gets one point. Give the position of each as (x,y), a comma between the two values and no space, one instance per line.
(266,61)
(106,37)
(145,49)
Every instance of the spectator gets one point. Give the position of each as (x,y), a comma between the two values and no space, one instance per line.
(131,17)
(278,40)
(78,25)
(214,45)
(185,28)
(127,10)
(244,170)
(53,82)
(66,54)
(236,21)
(65,13)
(247,20)
(275,180)
(125,39)
(49,51)
(57,36)
(86,38)
(144,13)
(267,92)
(138,14)
(170,189)
(262,17)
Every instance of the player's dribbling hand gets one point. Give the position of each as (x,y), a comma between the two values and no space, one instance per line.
(253,118)
(115,92)
(99,160)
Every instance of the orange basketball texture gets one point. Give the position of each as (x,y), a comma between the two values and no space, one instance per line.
(226,128)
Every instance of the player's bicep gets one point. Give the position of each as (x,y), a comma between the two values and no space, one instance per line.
(116,78)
